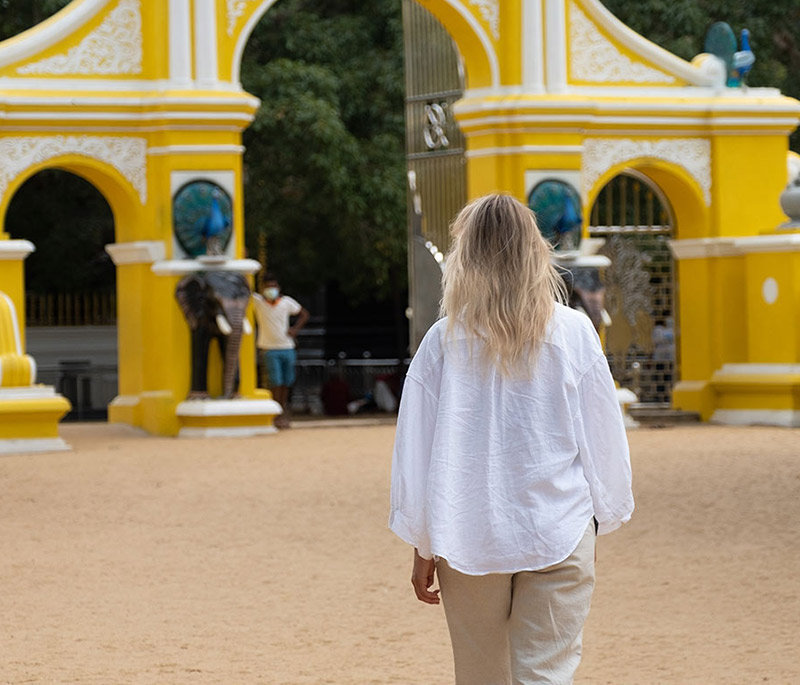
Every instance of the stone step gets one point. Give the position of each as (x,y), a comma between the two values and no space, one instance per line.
(661,415)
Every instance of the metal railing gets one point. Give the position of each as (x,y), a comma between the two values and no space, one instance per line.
(89,387)
(71,309)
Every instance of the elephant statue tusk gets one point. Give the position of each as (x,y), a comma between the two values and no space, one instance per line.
(223,325)
(247,329)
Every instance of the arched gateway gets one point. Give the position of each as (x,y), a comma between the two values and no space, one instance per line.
(140,97)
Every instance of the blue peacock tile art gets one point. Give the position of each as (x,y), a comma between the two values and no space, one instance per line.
(202,216)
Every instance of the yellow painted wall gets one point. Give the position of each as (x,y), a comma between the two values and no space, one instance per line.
(773,332)
(749,174)
(510,52)
(730,341)
(696,319)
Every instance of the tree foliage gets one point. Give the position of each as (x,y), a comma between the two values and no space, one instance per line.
(18,15)
(69,222)
(325,155)
(680,26)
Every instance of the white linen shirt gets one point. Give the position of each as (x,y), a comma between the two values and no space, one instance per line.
(273,322)
(498,475)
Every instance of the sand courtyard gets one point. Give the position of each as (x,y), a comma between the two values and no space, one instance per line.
(135,559)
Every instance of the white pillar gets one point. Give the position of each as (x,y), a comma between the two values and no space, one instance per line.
(556,45)
(533,46)
(205,43)
(180,43)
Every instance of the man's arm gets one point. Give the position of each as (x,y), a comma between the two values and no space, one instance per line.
(302,320)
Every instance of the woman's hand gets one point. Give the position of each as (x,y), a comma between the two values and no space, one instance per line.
(422,579)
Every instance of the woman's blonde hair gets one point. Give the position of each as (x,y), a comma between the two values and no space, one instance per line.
(500,283)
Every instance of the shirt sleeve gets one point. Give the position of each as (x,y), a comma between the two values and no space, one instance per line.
(416,424)
(294,306)
(603,447)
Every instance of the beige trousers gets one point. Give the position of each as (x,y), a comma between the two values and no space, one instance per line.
(519,628)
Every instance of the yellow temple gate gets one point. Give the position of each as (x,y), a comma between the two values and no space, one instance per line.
(141,97)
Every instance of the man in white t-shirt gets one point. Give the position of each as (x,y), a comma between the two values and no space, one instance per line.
(275,340)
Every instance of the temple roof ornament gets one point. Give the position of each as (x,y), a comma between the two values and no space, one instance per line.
(235,9)
(596,59)
(114,47)
(490,11)
(691,154)
(128,155)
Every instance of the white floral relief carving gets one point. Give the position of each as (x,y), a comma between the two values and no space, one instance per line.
(236,9)
(692,154)
(114,47)
(595,59)
(126,155)
(490,11)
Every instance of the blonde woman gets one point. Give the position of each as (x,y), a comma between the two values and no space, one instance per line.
(510,455)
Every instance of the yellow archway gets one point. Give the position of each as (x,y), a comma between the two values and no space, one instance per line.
(476,34)
(122,197)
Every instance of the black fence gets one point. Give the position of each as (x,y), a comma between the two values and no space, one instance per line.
(89,387)
(322,385)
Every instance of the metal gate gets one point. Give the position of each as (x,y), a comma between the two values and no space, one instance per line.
(635,219)
(435,157)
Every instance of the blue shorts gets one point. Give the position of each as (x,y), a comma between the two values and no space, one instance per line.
(280,367)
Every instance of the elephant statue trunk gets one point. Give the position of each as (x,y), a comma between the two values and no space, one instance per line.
(214,303)
(233,310)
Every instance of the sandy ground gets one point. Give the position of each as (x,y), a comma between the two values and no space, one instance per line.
(145,560)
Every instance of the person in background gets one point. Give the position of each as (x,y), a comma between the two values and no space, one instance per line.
(276,340)
(510,455)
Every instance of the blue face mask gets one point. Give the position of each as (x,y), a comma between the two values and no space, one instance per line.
(272,293)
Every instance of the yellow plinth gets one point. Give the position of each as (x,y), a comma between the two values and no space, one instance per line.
(227,418)
(29,419)
(748,394)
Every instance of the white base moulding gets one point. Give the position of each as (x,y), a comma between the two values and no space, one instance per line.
(229,432)
(785,418)
(33,445)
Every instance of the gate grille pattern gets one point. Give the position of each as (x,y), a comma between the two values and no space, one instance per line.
(434,142)
(635,222)
(435,157)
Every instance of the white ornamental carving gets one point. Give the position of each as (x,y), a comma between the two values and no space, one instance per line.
(595,59)
(126,155)
(114,47)
(236,9)
(490,11)
(692,154)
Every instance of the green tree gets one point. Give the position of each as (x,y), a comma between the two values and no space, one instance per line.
(680,26)
(18,15)
(325,154)
(70,223)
